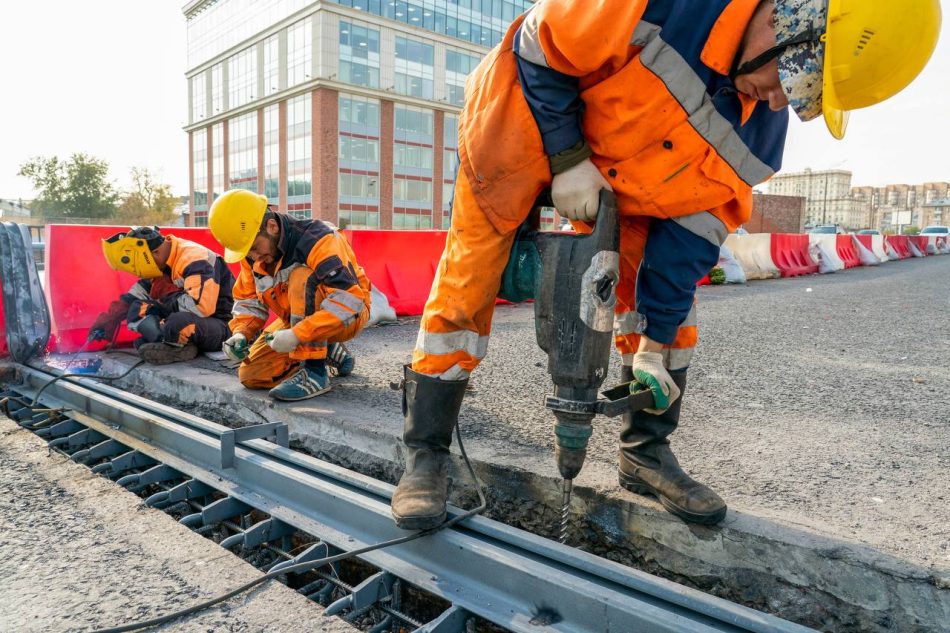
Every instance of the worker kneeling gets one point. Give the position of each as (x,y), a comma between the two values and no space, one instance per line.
(181,303)
(305,272)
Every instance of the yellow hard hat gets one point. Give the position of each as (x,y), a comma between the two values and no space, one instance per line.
(132,252)
(235,220)
(839,55)
(873,50)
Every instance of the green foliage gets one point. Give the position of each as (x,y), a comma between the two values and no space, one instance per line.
(148,202)
(911,230)
(77,188)
(717,276)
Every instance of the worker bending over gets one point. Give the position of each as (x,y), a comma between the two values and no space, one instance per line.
(181,303)
(304,271)
(679,107)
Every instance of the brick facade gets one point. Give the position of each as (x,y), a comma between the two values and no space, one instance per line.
(776,214)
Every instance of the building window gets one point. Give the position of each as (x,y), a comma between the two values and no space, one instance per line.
(299,52)
(199,98)
(359,55)
(242,77)
(458,65)
(272,153)
(271,65)
(217,89)
(199,166)
(449,166)
(217,160)
(242,148)
(299,152)
(482,22)
(358,178)
(414,68)
(412,168)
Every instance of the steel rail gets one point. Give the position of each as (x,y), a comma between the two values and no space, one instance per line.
(514,579)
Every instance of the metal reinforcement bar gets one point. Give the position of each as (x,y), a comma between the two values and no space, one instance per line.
(506,576)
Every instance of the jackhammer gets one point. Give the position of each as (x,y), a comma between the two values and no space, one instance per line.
(575,297)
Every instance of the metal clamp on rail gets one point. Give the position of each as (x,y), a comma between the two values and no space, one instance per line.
(276,432)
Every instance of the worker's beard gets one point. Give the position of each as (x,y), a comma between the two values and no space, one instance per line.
(273,249)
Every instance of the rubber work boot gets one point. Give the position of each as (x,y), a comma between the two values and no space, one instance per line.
(648,466)
(163,353)
(309,381)
(339,359)
(431,408)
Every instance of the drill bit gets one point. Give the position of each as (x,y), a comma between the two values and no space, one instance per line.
(566,486)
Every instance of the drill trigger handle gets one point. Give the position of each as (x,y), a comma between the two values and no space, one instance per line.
(619,400)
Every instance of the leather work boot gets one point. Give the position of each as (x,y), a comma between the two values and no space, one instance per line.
(163,353)
(648,466)
(431,408)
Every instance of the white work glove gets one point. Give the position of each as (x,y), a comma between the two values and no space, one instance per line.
(235,347)
(649,371)
(283,341)
(576,192)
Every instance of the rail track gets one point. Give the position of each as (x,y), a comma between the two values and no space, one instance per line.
(277,507)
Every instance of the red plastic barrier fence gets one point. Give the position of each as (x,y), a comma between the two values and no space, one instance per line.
(790,254)
(401,264)
(921,241)
(846,252)
(80,284)
(866,242)
(900,244)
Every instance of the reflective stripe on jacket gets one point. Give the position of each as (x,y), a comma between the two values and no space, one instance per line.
(325,251)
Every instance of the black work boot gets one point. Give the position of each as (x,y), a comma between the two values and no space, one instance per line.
(431,407)
(648,466)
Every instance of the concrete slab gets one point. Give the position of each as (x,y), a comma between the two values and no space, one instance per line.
(817,407)
(80,553)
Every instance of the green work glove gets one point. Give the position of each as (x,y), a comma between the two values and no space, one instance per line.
(235,347)
(648,370)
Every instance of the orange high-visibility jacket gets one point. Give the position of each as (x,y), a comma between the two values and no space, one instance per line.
(323,250)
(667,128)
(201,275)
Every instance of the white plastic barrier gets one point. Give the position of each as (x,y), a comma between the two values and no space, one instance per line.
(891,253)
(943,246)
(731,268)
(877,247)
(931,244)
(824,250)
(866,256)
(754,253)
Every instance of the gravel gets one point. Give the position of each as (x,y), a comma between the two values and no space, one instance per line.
(77,552)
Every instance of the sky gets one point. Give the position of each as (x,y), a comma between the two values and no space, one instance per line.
(106,77)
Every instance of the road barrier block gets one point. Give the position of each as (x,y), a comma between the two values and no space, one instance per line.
(402,264)
(790,254)
(920,242)
(845,247)
(900,244)
(824,249)
(754,253)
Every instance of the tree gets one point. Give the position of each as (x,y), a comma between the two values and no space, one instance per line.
(77,188)
(147,202)
(910,229)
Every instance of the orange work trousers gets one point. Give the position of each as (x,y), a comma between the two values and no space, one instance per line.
(264,368)
(456,322)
